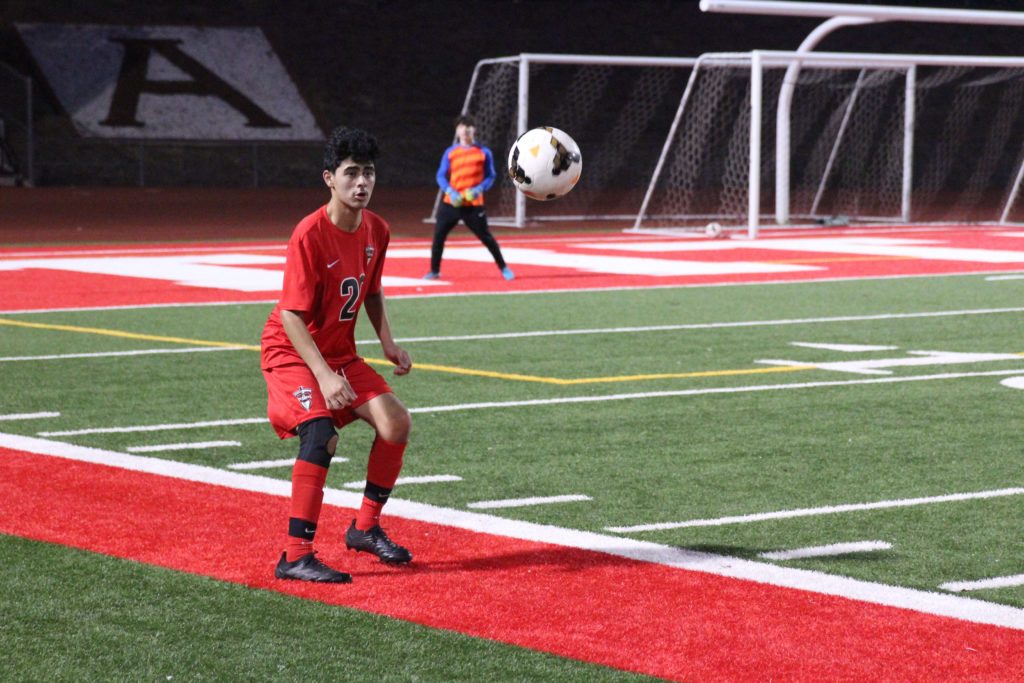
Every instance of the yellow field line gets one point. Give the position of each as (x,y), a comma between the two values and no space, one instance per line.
(124,335)
(419,366)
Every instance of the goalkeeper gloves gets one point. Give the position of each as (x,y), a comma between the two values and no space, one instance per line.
(454,197)
(470,194)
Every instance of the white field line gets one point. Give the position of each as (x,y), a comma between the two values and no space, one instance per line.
(826,550)
(262,464)
(941,604)
(526,502)
(609,330)
(157,428)
(556,401)
(997,582)
(196,445)
(1005,277)
(714,390)
(111,354)
(28,416)
(271,464)
(402,481)
(708,326)
(814,512)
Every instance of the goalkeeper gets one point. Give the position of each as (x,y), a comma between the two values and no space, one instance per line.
(466,172)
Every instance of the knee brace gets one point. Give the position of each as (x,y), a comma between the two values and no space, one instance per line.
(317,441)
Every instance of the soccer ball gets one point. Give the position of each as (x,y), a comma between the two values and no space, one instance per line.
(544,163)
(713,230)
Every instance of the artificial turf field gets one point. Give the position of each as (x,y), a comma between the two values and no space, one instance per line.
(644,432)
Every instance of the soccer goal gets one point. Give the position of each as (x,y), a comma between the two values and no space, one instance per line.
(871,138)
(616,108)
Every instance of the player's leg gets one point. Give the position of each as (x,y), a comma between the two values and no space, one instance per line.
(391,421)
(293,397)
(447,218)
(475,219)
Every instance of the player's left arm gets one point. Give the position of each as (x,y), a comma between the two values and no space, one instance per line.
(377,312)
(489,174)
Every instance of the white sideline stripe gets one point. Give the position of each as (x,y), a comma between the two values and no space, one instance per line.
(270,464)
(156,428)
(401,481)
(502,293)
(526,502)
(705,326)
(555,401)
(941,604)
(826,550)
(28,416)
(198,445)
(812,512)
(997,582)
(106,354)
(1005,277)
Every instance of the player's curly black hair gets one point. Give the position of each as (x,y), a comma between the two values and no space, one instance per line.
(349,142)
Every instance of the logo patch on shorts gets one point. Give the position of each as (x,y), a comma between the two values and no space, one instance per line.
(304,395)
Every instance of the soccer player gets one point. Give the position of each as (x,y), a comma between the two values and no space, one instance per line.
(315,380)
(465,173)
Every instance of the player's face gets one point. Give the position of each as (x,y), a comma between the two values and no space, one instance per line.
(352,182)
(465,133)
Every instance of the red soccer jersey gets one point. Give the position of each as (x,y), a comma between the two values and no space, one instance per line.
(327,274)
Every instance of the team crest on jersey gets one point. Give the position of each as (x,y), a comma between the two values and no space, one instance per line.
(304,395)
(369,253)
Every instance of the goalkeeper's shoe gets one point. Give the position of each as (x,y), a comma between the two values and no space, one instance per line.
(375,541)
(308,568)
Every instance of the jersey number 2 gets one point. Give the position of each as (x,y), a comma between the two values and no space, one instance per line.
(350,294)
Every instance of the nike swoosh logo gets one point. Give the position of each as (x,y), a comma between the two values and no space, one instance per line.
(333,263)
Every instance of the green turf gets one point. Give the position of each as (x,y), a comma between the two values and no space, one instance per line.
(641,460)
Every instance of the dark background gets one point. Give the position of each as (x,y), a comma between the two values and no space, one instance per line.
(400,68)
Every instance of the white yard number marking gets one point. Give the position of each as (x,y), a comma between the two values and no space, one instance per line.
(877,366)
(233,271)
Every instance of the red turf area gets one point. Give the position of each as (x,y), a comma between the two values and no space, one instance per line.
(59,277)
(657,620)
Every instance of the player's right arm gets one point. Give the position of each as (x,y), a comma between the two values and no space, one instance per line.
(334,386)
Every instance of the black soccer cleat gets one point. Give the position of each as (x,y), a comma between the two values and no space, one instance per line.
(308,568)
(375,541)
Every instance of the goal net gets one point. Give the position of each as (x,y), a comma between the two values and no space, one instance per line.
(617,109)
(834,138)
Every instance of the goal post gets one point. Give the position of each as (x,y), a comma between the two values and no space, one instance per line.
(617,108)
(874,138)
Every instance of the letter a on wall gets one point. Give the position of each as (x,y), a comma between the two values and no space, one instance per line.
(170,82)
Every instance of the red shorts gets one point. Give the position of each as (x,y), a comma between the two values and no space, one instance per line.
(293,395)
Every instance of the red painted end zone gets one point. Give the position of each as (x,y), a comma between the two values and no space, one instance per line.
(67,277)
(647,618)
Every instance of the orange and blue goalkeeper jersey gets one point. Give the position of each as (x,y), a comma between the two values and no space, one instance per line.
(466,167)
